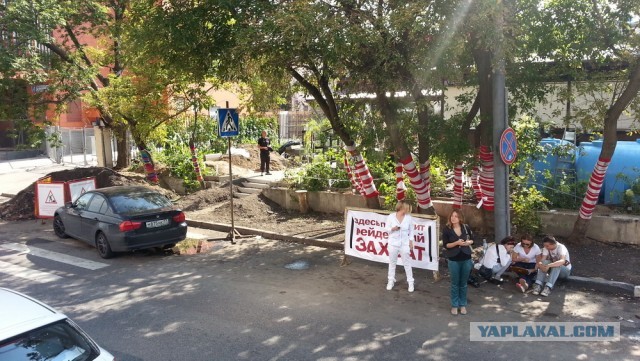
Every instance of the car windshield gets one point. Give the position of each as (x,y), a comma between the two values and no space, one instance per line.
(58,341)
(139,202)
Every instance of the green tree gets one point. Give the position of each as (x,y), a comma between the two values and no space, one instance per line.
(596,43)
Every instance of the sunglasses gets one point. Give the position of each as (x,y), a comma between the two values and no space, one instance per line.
(510,244)
(526,244)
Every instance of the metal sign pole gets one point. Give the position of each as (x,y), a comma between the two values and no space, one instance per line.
(229,130)
(232,234)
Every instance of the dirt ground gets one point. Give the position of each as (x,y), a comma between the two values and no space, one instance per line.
(607,261)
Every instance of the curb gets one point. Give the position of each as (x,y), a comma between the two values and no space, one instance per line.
(7,195)
(603,285)
(597,284)
(221,227)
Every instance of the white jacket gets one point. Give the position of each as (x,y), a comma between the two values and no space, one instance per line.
(491,257)
(402,236)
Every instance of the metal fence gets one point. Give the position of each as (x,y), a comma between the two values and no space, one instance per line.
(76,145)
(293,125)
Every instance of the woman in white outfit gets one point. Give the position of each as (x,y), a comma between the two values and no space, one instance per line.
(399,226)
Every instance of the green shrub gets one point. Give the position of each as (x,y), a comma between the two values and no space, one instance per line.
(526,202)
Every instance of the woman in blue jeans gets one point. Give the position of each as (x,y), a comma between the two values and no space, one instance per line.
(456,239)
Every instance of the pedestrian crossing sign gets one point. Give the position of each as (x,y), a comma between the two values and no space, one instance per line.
(228,122)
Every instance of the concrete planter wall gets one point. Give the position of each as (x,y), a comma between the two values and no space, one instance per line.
(622,229)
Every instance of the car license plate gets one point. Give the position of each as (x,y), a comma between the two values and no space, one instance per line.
(158,223)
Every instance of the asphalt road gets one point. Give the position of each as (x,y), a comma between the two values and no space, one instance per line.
(239,302)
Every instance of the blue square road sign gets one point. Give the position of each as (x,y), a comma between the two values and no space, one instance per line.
(228,122)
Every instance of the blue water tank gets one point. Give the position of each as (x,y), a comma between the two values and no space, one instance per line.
(623,169)
(554,160)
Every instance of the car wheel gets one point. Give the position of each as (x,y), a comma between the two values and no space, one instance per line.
(58,227)
(103,247)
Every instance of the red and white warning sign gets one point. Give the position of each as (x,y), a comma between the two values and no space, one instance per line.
(49,197)
(80,187)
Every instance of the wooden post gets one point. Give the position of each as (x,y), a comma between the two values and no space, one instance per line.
(303,202)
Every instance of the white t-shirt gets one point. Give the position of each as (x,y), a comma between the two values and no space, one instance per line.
(531,256)
(557,253)
(491,257)
(402,236)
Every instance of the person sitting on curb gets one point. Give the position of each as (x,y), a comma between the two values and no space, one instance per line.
(498,258)
(525,256)
(554,264)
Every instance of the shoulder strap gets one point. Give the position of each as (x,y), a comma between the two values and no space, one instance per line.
(498,252)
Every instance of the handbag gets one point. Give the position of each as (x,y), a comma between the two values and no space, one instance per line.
(486,272)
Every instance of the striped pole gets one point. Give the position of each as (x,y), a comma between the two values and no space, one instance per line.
(194,161)
(400,186)
(425,174)
(354,182)
(486,178)
(457,186)
(594,187)
(363,174)
(418,184)
(475,185)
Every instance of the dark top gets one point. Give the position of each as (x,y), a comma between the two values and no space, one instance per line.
(450,236)
(264,142)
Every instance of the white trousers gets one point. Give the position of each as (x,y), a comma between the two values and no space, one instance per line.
(406,259)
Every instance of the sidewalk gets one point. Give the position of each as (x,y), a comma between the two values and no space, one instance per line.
(588,283)
(17,174)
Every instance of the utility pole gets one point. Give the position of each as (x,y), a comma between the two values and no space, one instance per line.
(502,218)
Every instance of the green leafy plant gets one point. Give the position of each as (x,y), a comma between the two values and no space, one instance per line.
(526,202)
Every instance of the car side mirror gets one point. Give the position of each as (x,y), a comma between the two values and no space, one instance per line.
(69,205)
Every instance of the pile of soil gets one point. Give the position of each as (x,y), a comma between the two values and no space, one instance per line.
(257,211)
(204,198)
(22,206)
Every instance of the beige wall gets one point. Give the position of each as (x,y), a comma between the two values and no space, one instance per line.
(619,229)
(553,111)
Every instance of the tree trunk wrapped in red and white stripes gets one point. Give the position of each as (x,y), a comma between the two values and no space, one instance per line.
(594,187)
(418,184)
(400,186)
(363,174)
(475,185)
(457,186)
(355,183)
(194,161)
(486,178)
(425,174)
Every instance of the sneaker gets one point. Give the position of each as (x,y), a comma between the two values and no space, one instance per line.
(390,285)
(496,281)
(536,289)
(268,173)
(522,285)
(261,174)
(411,287)
(546,292)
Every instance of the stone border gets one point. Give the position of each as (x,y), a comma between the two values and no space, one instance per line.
(221,227)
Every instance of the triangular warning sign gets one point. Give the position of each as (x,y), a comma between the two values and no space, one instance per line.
(229,125)
(83,191)
(50,198)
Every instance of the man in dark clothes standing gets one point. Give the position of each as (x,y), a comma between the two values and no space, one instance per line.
(265,148)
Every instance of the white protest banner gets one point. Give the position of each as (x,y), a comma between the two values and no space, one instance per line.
(80,187)
(366,237)
(49,197)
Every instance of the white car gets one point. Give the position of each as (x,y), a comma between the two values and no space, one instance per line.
(31,330)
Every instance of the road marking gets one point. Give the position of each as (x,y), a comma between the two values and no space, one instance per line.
(54,256)
(27,273)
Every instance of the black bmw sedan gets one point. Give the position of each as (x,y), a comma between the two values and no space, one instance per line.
(121,219)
